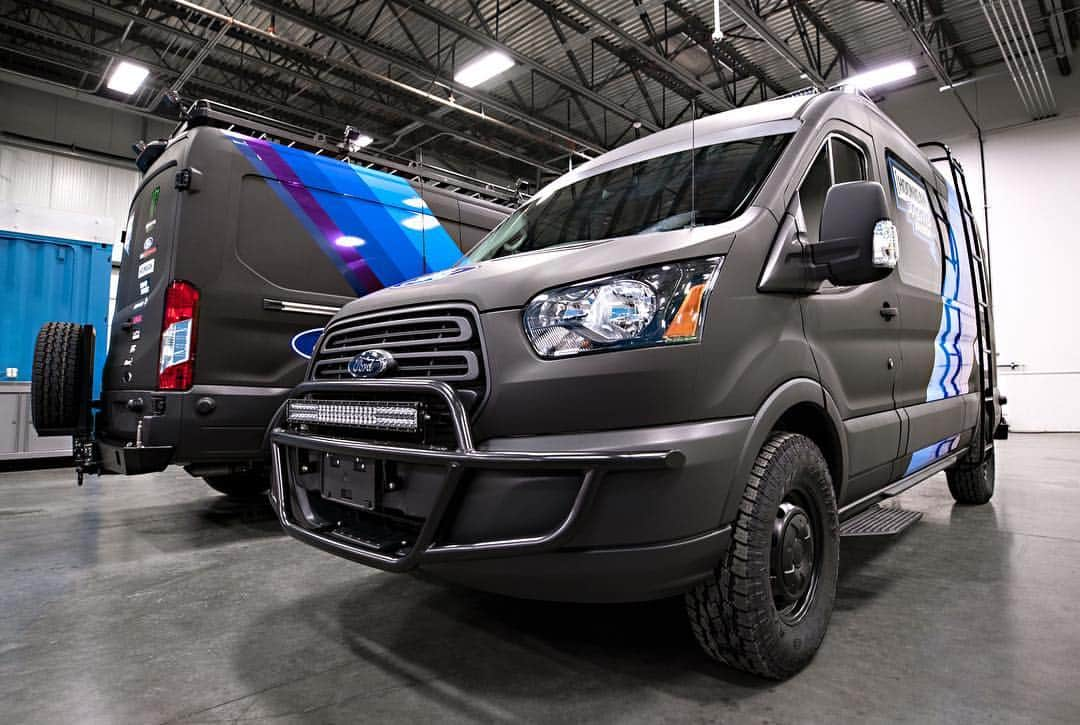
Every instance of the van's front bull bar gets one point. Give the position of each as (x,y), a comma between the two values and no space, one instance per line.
(284,494)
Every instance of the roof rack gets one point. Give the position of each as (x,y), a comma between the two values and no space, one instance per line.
(807,91)
(204,112)
(814,90)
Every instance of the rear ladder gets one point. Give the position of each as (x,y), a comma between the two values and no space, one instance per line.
(980,276)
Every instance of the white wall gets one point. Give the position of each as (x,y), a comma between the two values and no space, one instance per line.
(1033,190)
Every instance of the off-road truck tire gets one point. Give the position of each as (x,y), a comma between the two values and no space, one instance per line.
(56,382)
(972,483)
(737,614)
(241,486)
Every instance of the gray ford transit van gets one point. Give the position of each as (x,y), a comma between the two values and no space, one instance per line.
(681,368)
(241,242)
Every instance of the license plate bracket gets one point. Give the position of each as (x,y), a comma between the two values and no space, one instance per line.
(352,481)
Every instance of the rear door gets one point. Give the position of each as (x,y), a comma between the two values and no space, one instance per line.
(145,273)
(311,233)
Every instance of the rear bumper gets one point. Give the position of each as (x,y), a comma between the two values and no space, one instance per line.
(231,429)
(610,516)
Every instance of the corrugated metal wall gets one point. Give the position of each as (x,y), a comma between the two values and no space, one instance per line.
(64,184)
(58,195)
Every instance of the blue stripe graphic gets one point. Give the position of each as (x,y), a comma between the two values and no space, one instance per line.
(368,218)
(925,456)
(954,352)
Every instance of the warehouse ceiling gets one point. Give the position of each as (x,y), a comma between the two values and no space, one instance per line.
(587,76)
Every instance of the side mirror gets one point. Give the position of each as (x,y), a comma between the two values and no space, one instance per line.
(858,241)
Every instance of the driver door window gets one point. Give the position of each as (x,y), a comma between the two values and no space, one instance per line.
(839,161)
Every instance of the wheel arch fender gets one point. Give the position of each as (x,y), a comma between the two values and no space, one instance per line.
(800,405)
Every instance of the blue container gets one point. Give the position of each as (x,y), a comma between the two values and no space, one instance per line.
(46,279)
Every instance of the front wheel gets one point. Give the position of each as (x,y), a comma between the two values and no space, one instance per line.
(766,606)
(242,485)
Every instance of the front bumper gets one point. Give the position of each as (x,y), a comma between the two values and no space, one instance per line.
(630,525)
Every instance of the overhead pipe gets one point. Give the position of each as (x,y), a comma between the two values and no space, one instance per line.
(1007,58)
(1036,58)
(1019,51)
(1019,46)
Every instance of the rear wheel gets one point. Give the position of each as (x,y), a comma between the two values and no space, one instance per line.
(766,607)
(61,381)
(972,482)
(241,485)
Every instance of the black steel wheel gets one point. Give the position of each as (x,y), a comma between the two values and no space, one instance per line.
(766,606)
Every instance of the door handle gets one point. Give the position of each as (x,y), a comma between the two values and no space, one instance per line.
(888,311)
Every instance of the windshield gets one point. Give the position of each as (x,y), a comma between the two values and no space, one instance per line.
(650,196)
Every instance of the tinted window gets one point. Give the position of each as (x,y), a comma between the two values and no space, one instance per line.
(812,195)
(649,196)
(838,162)
(920,241)
(847,162)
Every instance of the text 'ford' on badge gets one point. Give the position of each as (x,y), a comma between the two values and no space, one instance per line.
(371,364)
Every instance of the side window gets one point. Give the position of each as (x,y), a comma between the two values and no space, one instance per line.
(812,196)
(920,236)
(839,161)
(848,162)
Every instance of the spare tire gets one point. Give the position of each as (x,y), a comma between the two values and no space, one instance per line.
(61,382)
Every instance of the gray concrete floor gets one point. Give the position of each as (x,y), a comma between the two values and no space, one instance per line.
(155,600)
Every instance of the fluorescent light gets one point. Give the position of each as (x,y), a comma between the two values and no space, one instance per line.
(360,142)
(355,139)
(350,242)
(127,77)
(881,76)
(483,67)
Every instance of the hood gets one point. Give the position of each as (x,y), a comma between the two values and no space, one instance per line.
(509,282)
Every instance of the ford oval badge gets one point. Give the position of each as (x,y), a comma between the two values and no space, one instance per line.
(371,364)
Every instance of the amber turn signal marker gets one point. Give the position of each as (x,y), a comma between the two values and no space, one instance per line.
(685,323)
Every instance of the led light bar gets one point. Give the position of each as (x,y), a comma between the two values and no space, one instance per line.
(356,414)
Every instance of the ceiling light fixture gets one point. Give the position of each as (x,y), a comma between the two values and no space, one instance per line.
(355,139)
(483,67)
(881,76)
(127,77)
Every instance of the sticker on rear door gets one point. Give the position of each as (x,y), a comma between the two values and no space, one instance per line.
(175,344)
(146,268)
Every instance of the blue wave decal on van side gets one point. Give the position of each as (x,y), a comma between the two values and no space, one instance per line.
(925,456)
(373,226)
(303,343)
(954,348)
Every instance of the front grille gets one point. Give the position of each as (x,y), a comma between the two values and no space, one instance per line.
(436,343)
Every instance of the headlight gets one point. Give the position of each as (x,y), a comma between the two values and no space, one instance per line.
(652,306)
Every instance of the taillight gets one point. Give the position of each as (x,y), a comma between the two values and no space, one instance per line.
(176,368)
